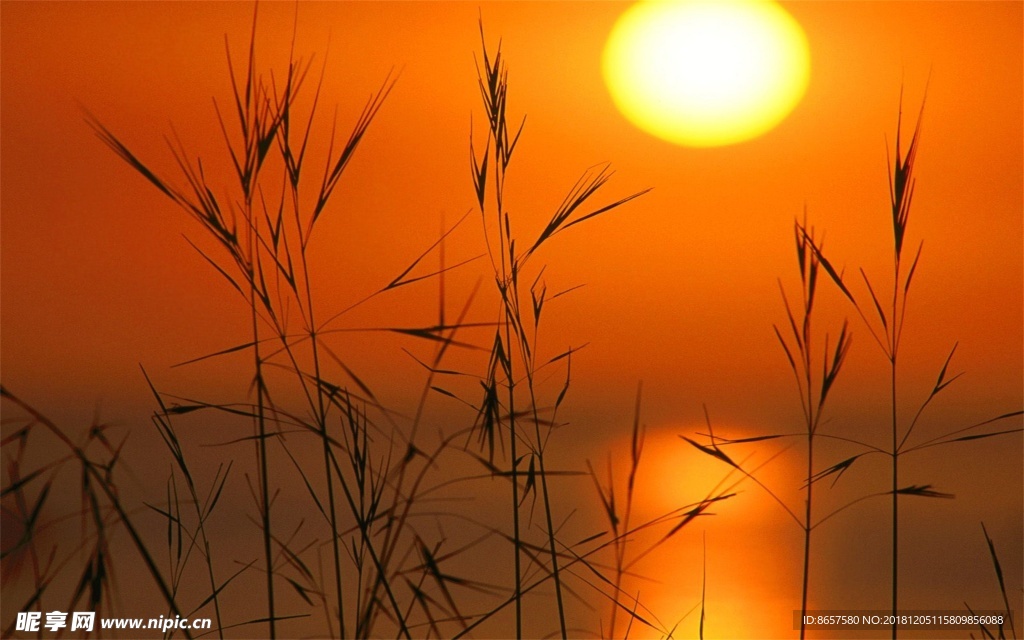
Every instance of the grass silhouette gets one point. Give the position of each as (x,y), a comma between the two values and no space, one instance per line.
(386,572)
(388,543)
(815,382)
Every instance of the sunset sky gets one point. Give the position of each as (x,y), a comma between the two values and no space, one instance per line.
(681,286)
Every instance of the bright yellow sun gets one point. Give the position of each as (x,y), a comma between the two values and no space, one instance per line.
(706,73)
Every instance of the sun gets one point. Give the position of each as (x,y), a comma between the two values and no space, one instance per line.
(706,73)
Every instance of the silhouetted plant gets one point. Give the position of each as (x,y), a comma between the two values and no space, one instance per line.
(814,389)
(887,332)
(386,573)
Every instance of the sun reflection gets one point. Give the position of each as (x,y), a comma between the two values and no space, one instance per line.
(751,548)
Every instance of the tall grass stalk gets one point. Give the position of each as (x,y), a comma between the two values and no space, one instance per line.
(369,489)
(887,332)
(813,390)
(513,365)
(997,567)
(620,523)
(269,256)
(203,508)
(901,190)
(259,119)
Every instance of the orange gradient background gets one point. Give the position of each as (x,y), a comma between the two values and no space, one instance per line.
(681,286)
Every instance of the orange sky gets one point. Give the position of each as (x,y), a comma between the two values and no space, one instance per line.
(681,285)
